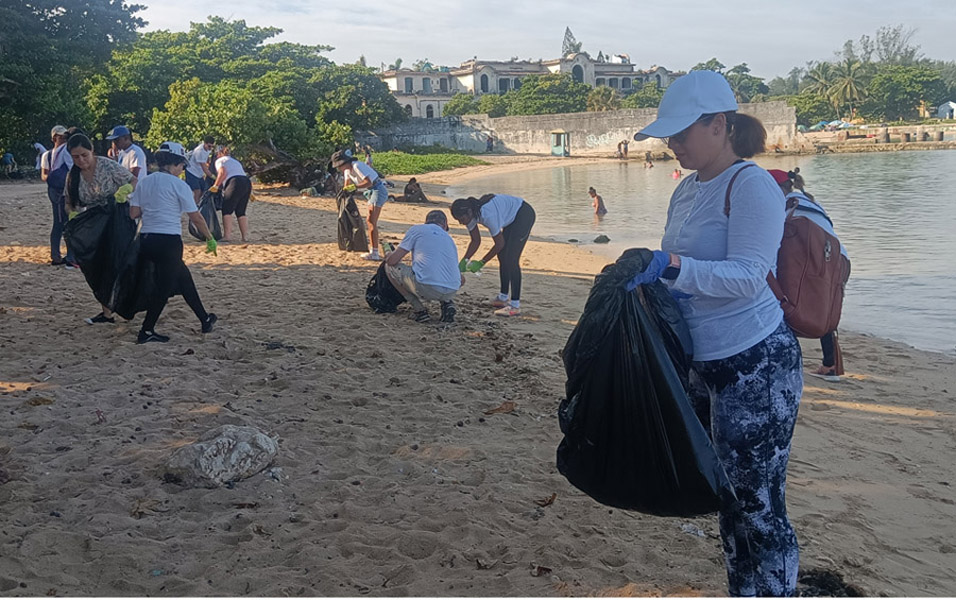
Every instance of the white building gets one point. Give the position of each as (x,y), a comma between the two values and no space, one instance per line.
(425,93)
(947,110)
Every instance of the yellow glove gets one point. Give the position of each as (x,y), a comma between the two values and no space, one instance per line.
(122,194)
(72,214)
(211,246)
(214,189)
(349,187)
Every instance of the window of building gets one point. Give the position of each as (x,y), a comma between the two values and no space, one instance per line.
(516,84)
(427,85)
(408,110)
(429,112)
(625,83)
(484,84)
(409,85)
(504,85)
(612,82)
(443,85)
(577,73)
(599,81)
(658,79)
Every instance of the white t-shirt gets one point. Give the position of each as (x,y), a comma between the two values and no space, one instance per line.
(359,171)
(58,156)
(199,156)
(498,213)
(41,150)
(163,199)
(133,157)
(434,256)
(230,166)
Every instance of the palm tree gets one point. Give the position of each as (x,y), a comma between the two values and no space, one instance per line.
(848,86)
(819,78)
(603,98)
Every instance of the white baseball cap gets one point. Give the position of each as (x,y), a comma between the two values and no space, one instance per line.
(687,99)
(57,130)
(173,148)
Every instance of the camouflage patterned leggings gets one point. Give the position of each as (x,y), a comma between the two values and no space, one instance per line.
(749,404)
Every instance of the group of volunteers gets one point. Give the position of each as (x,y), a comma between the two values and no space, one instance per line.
(78,179)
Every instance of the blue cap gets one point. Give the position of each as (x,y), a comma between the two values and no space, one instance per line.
(118,132)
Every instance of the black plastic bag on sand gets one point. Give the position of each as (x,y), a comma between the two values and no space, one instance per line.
(207,208)
(381,295)
(100,238)
(135,284)
(351,227)
(632,439)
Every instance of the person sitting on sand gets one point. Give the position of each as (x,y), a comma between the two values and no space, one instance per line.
(433,274)
(413,193)
(509,220)
(804,205)
(597,202)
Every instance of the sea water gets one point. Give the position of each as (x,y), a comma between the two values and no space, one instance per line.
(894,211)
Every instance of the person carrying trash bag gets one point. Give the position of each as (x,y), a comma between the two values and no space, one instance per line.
(160,199)
(351,226)
(94,185)
(748,359)
(207,209)
(360,176)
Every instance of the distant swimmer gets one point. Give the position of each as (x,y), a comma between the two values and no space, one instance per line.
(597,202)
(677,174)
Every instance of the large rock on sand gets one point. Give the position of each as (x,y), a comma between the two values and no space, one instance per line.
(227,453)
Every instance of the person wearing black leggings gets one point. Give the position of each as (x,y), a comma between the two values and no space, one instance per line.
(509,220)
(236,189)
(160,199)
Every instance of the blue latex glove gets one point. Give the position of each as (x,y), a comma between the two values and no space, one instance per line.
(652,272)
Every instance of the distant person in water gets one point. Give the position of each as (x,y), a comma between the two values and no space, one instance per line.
(597,202)
(648,163)
(677,174)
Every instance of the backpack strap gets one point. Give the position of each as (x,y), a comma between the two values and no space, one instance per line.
(730,186)
(771,280)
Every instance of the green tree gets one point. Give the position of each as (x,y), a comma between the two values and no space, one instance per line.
(48,49)
(461,104)
(552,93)
(744,85)
(395,65)
(570,45)
(495,105)
(811,108)
(354,96)
(848,85)
(711,65)
(603,98)
(648,96)
(896,91)
(819,78)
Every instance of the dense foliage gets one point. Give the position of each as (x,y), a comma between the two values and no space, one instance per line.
(401,163)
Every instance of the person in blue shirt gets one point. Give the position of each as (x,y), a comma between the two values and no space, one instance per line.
(747,360)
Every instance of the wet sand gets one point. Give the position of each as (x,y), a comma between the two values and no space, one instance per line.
(394,480)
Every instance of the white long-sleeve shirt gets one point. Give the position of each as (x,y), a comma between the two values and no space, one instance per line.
(725,261)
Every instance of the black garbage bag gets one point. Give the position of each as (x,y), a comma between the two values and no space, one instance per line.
(381,295)
(207,208)
(632,439)
(135,284)
(100,238)
(351,225)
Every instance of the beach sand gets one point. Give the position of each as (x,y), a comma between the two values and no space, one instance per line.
(394,479)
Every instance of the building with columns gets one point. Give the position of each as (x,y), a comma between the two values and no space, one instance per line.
(425,93)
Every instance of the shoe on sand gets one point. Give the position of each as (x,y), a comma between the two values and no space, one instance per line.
(826,374)
(508,311)
(211,319)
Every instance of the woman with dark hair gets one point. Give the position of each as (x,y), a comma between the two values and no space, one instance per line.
(724,226)
(509,220)
(93,181)
(160,199)
(236,189)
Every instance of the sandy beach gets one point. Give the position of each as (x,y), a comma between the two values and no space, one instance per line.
(392,479)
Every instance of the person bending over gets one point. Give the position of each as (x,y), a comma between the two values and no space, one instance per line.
(434,273)
(509,220)
(364,177)
(236,189)
(160,199)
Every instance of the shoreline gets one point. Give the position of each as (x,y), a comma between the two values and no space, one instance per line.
(395,479)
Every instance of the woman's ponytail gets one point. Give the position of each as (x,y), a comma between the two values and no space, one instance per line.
(747,134)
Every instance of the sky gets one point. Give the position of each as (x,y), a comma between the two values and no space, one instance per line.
(771,36)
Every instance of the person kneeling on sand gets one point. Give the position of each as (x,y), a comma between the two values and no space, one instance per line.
(434,273)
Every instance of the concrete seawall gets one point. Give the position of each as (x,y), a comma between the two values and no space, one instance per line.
(591,133)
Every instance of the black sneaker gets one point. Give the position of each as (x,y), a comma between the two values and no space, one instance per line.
(448,312)
(150,336)
(100,318)
(57,262)
(421,316)
(211,319)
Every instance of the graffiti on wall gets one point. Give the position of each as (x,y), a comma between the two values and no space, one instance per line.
(593,141)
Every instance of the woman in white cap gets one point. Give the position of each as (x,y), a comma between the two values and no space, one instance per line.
(160,199)
(364,177)
(724,226)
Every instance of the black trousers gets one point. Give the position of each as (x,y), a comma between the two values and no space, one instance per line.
(166,254)
(516,236)
(235,195)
